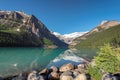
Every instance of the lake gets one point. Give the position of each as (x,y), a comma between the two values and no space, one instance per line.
(17,60)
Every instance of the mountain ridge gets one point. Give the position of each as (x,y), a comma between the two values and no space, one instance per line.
(68,38)
(98,36)
(18,22)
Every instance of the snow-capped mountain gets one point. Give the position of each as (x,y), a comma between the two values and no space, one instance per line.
(68,38)
(74,35)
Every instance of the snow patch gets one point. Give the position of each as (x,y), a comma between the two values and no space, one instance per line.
(103,22)
(74,35)
(68,38)
(56,33)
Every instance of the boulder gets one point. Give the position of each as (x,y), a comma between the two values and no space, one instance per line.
(81,77)
(75,73)
(117,76)
(1,78)
(44,72)
(54,69)
(81,70)
(81,66)
(33,76)
(66,76)
(42,77)
(66,67)
(108,76)
(68,73)
(53,76)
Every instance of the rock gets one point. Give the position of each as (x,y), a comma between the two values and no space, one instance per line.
(69,73)
(33,76)
(42,78)
(76,73)
(66,76)
(66,67)
(44,72)
(81,77)
(53,76)
(108,76)
(81,66)
(54,69)
(1,78)
(81,70)
(115,78)
(117,75)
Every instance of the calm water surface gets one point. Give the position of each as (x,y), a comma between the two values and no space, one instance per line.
(17,60)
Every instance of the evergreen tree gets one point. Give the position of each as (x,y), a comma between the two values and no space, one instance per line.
(107,59)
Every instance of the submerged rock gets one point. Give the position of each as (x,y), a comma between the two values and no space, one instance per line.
(19,77)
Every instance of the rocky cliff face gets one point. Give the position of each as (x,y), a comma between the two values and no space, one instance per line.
(18,24)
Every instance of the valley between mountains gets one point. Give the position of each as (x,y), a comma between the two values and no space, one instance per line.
(18,29)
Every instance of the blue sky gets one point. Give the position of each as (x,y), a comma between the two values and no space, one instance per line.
(67,16)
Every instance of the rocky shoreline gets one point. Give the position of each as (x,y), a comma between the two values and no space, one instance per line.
(67,71)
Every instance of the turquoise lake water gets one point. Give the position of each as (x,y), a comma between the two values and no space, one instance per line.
(17,60)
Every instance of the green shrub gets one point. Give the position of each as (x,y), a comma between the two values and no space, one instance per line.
(107,59)
(94,72)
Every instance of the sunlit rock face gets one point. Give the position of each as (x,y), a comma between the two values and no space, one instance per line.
(31,30)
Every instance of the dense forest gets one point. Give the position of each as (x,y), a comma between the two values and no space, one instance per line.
(97,39)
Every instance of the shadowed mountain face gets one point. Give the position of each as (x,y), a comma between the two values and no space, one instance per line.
(106,32)
(20,29)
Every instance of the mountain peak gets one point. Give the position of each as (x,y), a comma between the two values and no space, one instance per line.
(103,22)
(32,31)
(107,24)
(13,14)
(106,32)
(68,38)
